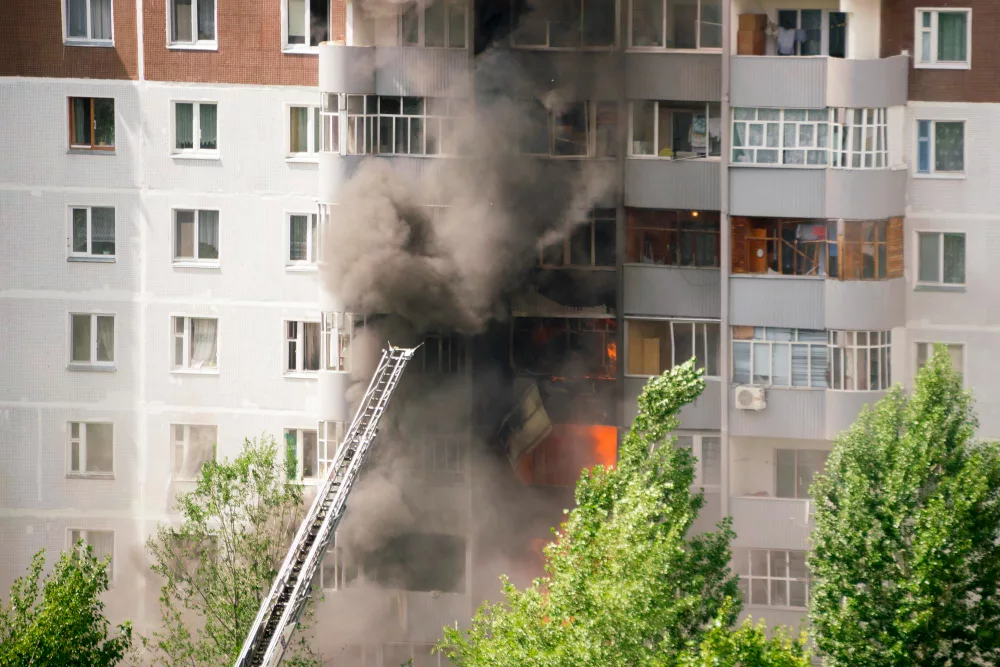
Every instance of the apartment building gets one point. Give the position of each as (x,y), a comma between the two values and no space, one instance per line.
(794,192)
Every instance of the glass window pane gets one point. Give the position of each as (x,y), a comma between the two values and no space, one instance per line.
(206,19)
(208,124)
(949,146)
(99,447)
(81,121)
(598,22)
(319,21)
(184,126)
(299,130)
(100,19)
(929,269)
(184,233)
(711,24)
(647,22)
(456,24)
(182,28)
(310,464)
(102,230)
(643,120)
(79,230)
(741,363)
(951,36)
(784,465)
(208,234)
(81,338)
(434,24)
(682,16)
(410,26)
(758,592)
(298,248)
(76,18)
(711,460)
(105,338)
(954,258)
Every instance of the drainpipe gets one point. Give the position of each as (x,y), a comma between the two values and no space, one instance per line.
(725,257)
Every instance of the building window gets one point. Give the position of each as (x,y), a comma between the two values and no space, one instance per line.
(795,470)
(941,258)
(811,32)
(860,138)
(676,130)
(676,24)
(940,147)
(430,23)
(331,434)
(192,447)
(770,578)
(303,239)
(944,38)
(860,360)
(93,340)
(338,332)
(308,23)
(88,21)
(362,125)
(196,343)
(440,354)
(955,350)
(92,123)
(101,542)
(91,448)
(301,347)
(672,238)
(655,346)
(303,131)
(707,449)
(567,347)
(588,244)
(440,455)
(775,357)
(192,22)
(302,444)
(414,125)
(329,122)
(196,128)
(92,231)
(781,136)
(196,236)
(573,24)
(576,129)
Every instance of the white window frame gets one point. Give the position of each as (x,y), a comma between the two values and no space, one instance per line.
(330,110)
(314,124)
(312,242)
(299,342)
(196,44)
(94,364)
(795,471)
(196,261)
(844,344)
(919,30)
(782,121)
(337,334)
(663,31)
(80,441)
(84,534)
(700,328)
(698,450)
(441,455)
(824,48)
(329,435)
(86,41)
(88,255)
(756,343)
(421,7)
(928,346)
(843,129)
(939,283)
(932,171)
(185,443)
(195,151)
(186,367)
(746,580)
(300,454)
(426,117)
(656,132)
(580,47)
(303,48)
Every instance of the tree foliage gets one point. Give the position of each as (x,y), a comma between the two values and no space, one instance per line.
(625,584)
(905,549)
(219,563)
(747,646)
(60,621)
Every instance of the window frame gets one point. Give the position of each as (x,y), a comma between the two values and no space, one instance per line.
(89,40)
(341,327)
(781,149)
(421,6)
(303,48)
(932,171)
(175,474)
(88,255)
(636,229)
(314,138)
(195,44)
(747,588)
(918,31)
(591,224)
(195,152)
(881,348)
(698,332)
(580,47)
(770,343)
(329,435)
(656,131)
(186,335)
(876,118)
(196,261)
(917,344)
(452,352)
(92,146)
(591,109)
(81,441)
(84,533)
(795,471)
(311,263)
(631,46)
(94,364)
(300,455)
(698,450)
(299,342)
(939,284)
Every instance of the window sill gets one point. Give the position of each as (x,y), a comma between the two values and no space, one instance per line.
(90,475)
(213,266)
(775,607)
(664,49)
(214,156)
(673,266)
(301,268)
(946,176)
(710,378)
(698,158)
(79,150)
(299,50)
(557,49)
(301,375)
(920,65)
(93,259)
(302,159)
(194,371)
(193,46)
(771,165)
(105,368)
(778,276)
(930,287)
(79,41)
(769,387)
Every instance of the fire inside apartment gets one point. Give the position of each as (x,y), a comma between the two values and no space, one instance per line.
(791,202)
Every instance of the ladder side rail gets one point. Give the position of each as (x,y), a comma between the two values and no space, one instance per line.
(286,625)
(281,580)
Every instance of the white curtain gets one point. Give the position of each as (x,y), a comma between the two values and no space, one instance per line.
(208,115)
(203,343)
(102,231)
(208,235)
(105,338)
(185,125)
(206,19)
(100,19)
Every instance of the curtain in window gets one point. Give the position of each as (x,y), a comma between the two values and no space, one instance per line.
(105,339)
(81,121)
(103,542)
(951,36)
(100,19)
(949,146)
(76,18)
(208,234)
(954,258)
(206,19)
(741,363)
(310,464)
(203,343)
(201,449)
(182,21)
(81,338)
(102,231)
(298,139)
(79,230)
(297,250)
(208,117)
(104,122)
(99,447)
(184,125)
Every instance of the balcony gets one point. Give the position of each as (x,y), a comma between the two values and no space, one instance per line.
(659,183)
(801,413)
(704,414)
(394,70)
(691,76)
(763,522)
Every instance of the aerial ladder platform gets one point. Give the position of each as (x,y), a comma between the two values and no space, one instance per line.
(280,610)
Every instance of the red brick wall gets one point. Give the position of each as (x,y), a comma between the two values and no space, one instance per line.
(31,43)
(249,39)
(978,84)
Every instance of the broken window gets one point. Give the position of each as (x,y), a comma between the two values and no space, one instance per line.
(302,444)
(676,130)
(770,356)
(589,244)
(565,347)
(440,354)
(574,129)
(860,360)
(795,469)
(655,346)
(672,238)
(191,447)
(566,451)
(568,24)
(770,578)
(676,24)
(301,347)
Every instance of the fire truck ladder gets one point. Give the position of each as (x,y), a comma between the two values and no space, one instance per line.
(279,613)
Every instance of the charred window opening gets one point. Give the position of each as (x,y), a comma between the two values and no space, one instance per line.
(567,450)
(440,354)
(589,244)
(421,562)
(672,238)
(565,347)
(565,24)
(574,129)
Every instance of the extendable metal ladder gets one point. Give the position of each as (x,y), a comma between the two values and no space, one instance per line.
(279,613)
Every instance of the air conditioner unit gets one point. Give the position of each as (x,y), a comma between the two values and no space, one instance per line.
(749,397)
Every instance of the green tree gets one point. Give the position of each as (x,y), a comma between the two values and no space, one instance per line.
(60,621)
(905,550)
(747,646)
(219,563)
(625,584)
